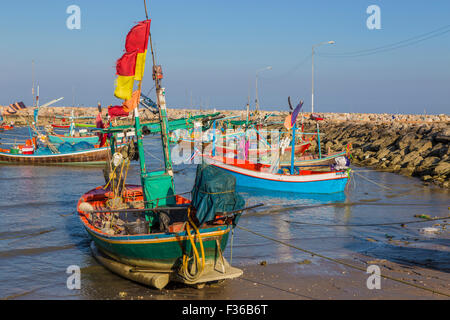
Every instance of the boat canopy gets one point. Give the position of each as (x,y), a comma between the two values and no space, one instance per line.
(183,123)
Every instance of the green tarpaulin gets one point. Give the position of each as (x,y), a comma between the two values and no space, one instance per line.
(214,191)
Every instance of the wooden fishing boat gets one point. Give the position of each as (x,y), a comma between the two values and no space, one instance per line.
(94,156)
(7,127)
(61,126)
(155,258)
(62,138)
(258,175)
(169,237)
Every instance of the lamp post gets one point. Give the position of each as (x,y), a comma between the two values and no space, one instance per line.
(312,83)
(256,86)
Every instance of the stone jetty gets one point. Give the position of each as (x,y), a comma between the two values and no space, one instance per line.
(411,145)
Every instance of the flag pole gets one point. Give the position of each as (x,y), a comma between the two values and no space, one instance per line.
(145,6)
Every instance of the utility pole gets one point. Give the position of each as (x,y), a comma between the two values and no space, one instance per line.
(256,86)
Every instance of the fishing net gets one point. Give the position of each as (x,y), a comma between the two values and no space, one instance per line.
(43,151)
(83,145)
(214,191)
(65,148)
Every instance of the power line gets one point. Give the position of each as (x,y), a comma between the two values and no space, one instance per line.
(291,70)
(389,47)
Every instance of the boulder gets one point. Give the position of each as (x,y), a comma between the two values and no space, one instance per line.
(443,136)
(407,171)
(407,141)
(442,169)
(424,147)
(438,150)
(411,159)
(383,153)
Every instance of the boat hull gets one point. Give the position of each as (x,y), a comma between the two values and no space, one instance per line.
(89,157)
(328,182)
(7,127)
(61,126)
(159,252)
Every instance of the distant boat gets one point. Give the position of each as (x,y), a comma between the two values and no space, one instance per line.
(6,127)
(61,138)
(61,126)
(25,154)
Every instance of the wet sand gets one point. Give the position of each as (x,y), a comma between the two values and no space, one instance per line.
(309,279)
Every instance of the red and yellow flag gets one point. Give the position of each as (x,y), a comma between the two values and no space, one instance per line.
(131,66)
(126,69)
(137,39)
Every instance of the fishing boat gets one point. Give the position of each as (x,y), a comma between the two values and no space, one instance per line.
(258,175)
(72,136)
(5,127)
(61,126)
(67,138)
(27,156)
(289,178)
(39,151)
(149,234)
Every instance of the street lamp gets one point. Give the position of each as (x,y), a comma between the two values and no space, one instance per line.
(312,83)
(256,86)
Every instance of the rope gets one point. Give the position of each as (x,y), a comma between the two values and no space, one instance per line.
(376,183)
(111,177)
(196,257)
(344,263)
(229,191)
(151,155)
(366,225)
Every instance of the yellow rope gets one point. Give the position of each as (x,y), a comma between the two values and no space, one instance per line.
(196,257)
(116,192)
(126,175)
(111,176)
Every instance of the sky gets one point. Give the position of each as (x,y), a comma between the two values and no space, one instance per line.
(211,51)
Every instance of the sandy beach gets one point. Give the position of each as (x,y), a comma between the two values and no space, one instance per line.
(310,279)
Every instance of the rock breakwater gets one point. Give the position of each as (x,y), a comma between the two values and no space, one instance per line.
(411,149)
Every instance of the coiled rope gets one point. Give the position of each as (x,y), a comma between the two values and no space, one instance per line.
(343,263)
(200,267)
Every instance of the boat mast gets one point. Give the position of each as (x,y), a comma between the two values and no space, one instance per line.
(32,89)
(161,101)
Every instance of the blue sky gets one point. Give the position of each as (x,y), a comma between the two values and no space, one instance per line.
(212,49)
